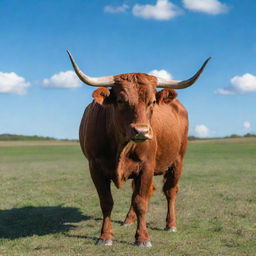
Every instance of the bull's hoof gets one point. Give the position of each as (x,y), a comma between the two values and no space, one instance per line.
(143,244)
(107,242)
(127,224)
(171,229)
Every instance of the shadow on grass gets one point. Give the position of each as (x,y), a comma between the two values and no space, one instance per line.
(154,228)
(95,239)
(29,221)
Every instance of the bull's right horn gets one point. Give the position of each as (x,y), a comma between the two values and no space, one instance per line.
(104,81)
(174,84)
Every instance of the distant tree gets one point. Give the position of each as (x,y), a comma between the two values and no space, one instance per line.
(250,135)
(7,137)
(195,138)
(233,136)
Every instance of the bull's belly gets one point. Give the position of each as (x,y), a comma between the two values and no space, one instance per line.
(162,168)
(160,172)
(165,160)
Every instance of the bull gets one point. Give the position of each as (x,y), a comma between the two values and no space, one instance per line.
(133,131)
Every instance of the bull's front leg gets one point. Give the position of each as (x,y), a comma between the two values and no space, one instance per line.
(102,185)
(140,200)
(131,215)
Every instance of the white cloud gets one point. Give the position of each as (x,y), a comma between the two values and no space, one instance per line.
(202,130)
(247,125)
(207,6)
(162,10)
(66,79)
(240,84)
(12,83)
(224,91)
(118,9)
(161,73)
(245,83)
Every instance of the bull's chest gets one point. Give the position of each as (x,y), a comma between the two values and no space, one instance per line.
(122,165)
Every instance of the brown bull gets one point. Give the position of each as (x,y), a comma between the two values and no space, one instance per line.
(133,131)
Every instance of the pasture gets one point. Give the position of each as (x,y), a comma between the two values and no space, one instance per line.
(49,206)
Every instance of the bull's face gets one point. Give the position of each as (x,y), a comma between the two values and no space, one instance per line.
(133,99)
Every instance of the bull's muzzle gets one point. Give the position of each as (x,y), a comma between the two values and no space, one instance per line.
(141,133)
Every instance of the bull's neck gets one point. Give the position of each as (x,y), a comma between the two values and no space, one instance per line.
(113,131)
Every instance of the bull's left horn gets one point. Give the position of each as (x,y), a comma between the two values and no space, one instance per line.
(174,84)
(104,81)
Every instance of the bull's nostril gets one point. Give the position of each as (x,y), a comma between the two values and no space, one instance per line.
(141,130)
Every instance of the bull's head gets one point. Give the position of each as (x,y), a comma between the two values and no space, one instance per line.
(133,96)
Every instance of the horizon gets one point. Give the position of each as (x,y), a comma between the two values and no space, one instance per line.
(40,94)
(190,137)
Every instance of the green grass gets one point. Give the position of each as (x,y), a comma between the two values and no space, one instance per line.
(49,206)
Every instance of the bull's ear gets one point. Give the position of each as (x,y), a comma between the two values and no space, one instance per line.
(166,96)
(102,96)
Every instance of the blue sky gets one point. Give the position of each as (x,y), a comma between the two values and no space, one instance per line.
(39,95)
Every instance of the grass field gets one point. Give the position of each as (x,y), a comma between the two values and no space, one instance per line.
(49,206)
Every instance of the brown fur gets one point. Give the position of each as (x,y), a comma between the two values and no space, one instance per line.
(107,127)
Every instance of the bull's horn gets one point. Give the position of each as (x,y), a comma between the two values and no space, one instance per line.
(104,81)
(174,84)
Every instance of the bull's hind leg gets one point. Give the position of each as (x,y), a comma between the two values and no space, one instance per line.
(102,185)
(170,190)
(131,215)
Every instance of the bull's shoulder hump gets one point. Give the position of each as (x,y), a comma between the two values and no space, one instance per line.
(178,107)
(95,109)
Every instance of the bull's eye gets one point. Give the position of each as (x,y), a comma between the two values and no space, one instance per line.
(122,104)
(152,103)
(120,101)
